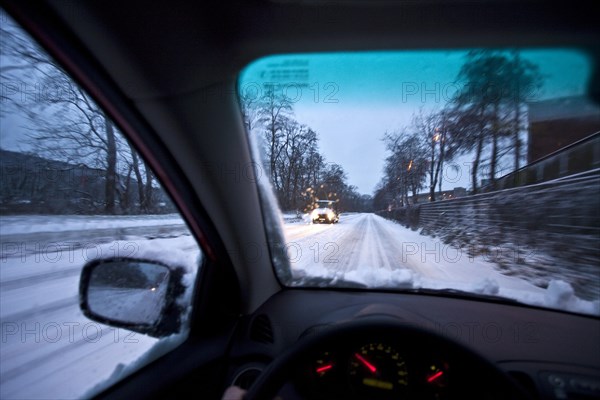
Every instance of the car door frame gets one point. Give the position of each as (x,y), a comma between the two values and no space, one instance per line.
(201,358)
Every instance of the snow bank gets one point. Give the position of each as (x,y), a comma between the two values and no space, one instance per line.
(384,278)
(367,250)
(21,224)
(561,295)
(487,286)
(291,218)
(41,290)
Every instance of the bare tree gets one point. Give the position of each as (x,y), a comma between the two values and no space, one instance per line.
(406,166)
(524,79)
(297,169)
(64,123)
(432,131)
(490,110)
(274,111)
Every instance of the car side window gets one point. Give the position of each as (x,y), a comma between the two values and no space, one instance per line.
(74,191)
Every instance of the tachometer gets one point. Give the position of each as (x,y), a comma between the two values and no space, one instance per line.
(324,365)
(437,374)
(325,377)
(377,370)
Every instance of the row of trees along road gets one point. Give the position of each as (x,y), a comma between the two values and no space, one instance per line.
(487,116)
(298,171)
(64,123)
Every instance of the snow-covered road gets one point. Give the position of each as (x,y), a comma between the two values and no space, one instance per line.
(358,240)
(375,252)
(45,338)
(48,348)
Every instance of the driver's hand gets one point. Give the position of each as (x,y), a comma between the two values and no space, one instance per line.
(234,393)
(237,393)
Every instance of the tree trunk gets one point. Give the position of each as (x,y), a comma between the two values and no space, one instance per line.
(272,156)
(517,122)
(111,168)
(494,157)
(494,161)
(516,135)
(432,180)
(440,169)
(148,197)
(476,164)
(139,179)
(125,194)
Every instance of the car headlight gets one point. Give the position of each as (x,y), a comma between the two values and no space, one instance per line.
(314,214)
(330,215)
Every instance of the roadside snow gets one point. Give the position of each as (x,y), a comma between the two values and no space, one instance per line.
(45,337)
(20,224)
(47,340)
(561,295)
(378,253)
(290,218)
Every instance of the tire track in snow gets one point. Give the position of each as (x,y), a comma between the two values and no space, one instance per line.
(350,246)
(365,251)
(329,248)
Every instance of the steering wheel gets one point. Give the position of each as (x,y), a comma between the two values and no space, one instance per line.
(473,375)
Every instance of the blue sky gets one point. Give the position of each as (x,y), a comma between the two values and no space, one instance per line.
(352,99)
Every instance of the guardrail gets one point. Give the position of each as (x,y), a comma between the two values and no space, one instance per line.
(556,224)
(578,157)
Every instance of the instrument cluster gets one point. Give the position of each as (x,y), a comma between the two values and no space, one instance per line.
(374,370)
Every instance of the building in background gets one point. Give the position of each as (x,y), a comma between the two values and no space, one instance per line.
(557,123)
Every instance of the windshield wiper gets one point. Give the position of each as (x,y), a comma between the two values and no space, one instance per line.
(336,283)
(460,294)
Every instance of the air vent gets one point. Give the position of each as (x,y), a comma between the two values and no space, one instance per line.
(261,330)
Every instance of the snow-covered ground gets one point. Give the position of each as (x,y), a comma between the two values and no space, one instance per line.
(49,350)
(20,224)
(376,252)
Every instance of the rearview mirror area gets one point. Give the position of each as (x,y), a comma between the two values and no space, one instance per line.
(138,295)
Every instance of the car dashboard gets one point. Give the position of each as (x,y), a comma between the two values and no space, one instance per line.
(551,354)
(380,365)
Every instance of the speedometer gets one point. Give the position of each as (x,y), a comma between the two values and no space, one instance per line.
(377,370)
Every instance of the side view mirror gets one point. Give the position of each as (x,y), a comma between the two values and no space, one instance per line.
(138,295)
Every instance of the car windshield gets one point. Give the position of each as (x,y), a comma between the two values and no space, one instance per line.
(470,172)
(324,204)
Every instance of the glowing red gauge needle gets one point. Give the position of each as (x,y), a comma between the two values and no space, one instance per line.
(324,368)
(365,362)
(435,376)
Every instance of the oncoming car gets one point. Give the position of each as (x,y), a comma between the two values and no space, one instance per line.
(325,211)
(154,156)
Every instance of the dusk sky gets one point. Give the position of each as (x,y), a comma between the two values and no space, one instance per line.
(352,99)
